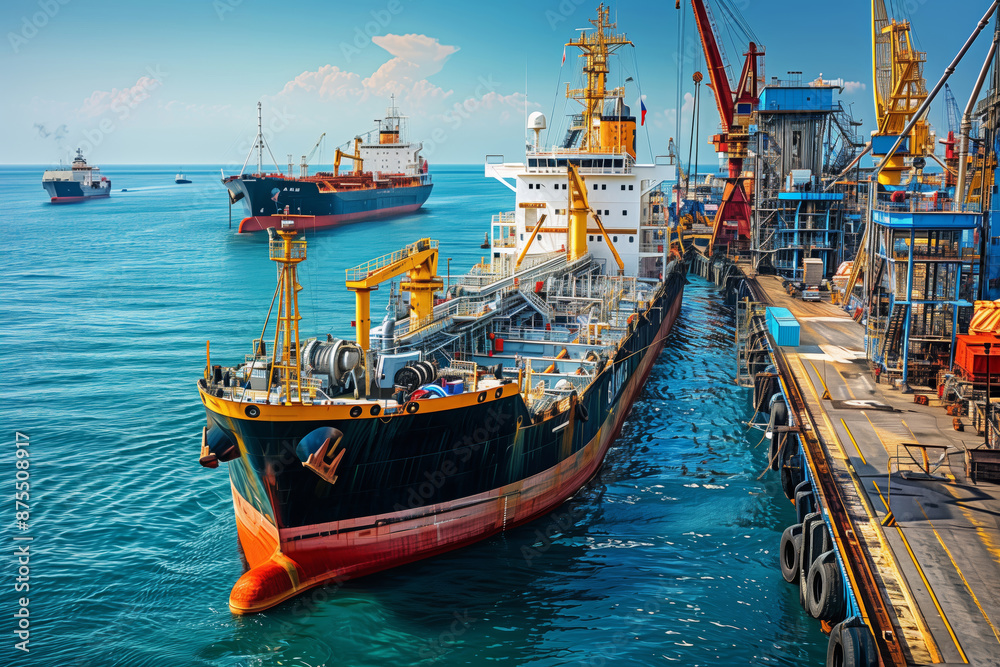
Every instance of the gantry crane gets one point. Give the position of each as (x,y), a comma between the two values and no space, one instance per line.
(359,164)
(736,105)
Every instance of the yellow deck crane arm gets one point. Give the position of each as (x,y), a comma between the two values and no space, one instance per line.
(419,261)
(359,164)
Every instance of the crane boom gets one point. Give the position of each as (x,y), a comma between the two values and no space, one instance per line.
(736,110)
(716,66)
(313,151)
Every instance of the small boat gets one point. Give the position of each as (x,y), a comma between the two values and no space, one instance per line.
(179,178)
(124,189)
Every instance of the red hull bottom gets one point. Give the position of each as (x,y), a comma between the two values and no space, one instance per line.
(283,566)
(73,200)
(259,223)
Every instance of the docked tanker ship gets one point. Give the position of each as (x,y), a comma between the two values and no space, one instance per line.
(396,182)
(475,413)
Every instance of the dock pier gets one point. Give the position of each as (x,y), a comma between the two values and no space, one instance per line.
(879,473)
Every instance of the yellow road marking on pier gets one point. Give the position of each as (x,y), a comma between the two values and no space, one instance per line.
(846,386)
(826,389)
(958,569)
(930,591)
(984,536)
(827,434)
(851,436)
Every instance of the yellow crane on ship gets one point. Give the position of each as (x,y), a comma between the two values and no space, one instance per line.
(419,261)
(359,164)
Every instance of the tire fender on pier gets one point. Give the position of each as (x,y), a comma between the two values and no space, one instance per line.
(825,588)
(788,553)
(805,502)
(851,645)
(813,543)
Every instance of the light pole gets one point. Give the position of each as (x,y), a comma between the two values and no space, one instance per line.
(448,288)
(986,410)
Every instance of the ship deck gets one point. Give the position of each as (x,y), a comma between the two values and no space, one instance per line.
(936,557)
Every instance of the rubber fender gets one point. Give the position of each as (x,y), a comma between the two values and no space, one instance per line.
(774,451)
(851,644)
(807,523)
(788,482)
(815,540)
(779,411)
(581,412)
(805,503)
(788,553)
(791,474)
(825,588)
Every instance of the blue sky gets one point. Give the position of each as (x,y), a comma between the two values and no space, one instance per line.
(177,82)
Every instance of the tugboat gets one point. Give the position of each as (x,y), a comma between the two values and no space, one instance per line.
(469,415)
(80,183)
(396,182)
(179,178)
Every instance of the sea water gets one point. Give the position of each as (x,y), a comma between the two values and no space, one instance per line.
(669,555)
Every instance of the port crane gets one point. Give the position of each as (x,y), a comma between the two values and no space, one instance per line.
(899,89)
(736,104)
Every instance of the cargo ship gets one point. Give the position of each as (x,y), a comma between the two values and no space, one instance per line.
(470,414)
(80,183)
(389,178)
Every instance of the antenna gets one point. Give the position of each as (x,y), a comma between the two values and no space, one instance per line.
(260,143)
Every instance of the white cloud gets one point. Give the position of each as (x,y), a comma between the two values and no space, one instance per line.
(101,101)
(425,52)
(851,87)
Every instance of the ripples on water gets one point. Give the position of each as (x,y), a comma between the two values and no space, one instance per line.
(667,556)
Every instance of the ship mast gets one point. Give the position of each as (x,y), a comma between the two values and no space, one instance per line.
(596,46)
(285,369)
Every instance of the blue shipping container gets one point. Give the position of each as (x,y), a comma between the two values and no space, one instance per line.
(783,327)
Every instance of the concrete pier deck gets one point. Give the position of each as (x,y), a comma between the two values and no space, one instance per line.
(932,542)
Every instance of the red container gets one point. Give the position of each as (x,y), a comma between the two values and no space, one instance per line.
(539,286)
(498,344)
(970,356)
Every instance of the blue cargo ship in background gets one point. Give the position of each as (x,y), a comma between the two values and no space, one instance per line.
(79,183)
(395,182)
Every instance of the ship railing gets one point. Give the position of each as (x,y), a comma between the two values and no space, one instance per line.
(362,271)
(504,218)
(921,203)
(276,249)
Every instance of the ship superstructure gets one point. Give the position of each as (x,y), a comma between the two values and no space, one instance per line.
(459,417)
(79,183)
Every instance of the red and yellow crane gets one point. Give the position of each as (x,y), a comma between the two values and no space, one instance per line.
(736,105)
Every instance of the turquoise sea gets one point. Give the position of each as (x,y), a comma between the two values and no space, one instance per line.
(669,556)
